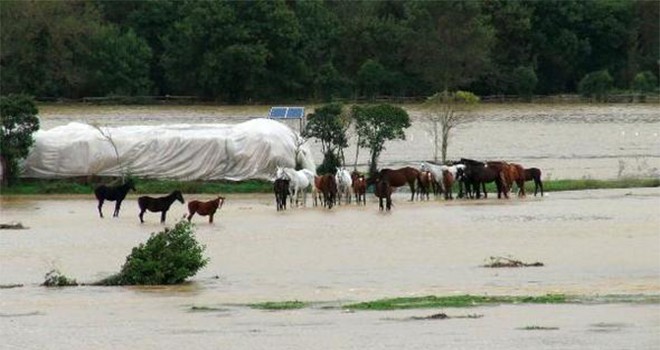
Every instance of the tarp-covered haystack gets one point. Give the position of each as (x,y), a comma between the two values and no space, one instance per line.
(248,150)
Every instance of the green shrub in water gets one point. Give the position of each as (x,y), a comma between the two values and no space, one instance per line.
(168,257)
(55,278)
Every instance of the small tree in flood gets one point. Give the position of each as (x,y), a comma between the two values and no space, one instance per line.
(377,124)
(329,125)
(168,257)
(445,111)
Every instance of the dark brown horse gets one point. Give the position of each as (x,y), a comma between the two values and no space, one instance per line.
(159,204)
(328,187)
(447,183)
(512,173)
(383,191)
(399,177)
(113,193)
(359,187)
(534,174)
(205,208)
(477,176)
(281,189)
(425,184)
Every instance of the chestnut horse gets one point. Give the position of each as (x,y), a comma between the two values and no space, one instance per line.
(113,193)
(512,173)
(425,183)
(328,187)
(447,183)
(159,204)
(205,208)
(359,187)
(534,174)
(399,177)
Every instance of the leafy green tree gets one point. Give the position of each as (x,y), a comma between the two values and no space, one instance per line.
(168,257)
(448,43)
(376,124)
(371,77)
(524,81)
(328,125)
(19,122)
(445,111)
(645,82)
(596,84)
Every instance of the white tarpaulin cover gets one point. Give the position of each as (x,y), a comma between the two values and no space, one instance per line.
(248,150)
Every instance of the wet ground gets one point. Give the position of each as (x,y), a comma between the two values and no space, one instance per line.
(593,243)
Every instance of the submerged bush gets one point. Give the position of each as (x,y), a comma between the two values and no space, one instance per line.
(54,278)
(168,257)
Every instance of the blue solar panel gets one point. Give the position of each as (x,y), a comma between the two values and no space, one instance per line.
(286,112)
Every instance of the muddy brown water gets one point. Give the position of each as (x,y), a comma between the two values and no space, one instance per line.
(600,141)
(593,243)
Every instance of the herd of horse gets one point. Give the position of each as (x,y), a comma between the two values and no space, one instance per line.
(155,204)
(470,176)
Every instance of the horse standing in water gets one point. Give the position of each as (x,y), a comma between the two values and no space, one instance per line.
(113,193)
(205,208)
(512,173)
(300,181)
(281,189)
(159,204)
(399,177)
(383,191)
(426,184)
(359,187)
(328,187)
(344,184)
(534,174)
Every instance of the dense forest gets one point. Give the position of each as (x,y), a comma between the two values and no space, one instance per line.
(261,51)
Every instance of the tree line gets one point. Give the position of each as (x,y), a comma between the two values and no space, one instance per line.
(286,50)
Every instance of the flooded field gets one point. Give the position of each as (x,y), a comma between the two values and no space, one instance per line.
(593,243)
(565,141)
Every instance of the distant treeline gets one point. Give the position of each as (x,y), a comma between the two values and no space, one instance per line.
(265,51)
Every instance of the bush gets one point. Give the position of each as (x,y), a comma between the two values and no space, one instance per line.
(645,82)
(168,257)
(524,81)
(55,278)
(596,84)
(330,164)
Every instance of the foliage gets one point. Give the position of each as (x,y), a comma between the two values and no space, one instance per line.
(645,82)
(264,51)
(279,305)
(55,278)
(454,301)
(445,111)
(330,164)
(524,81)
(168,257)
(329,125)
(19,122)
(596,85)
(376,124)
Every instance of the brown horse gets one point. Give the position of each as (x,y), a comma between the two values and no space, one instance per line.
(383,191)
(328,187)
(534,174)
(399,177)
(447,183)
(512,173)
(359,187)
(205,208)
(317,194)
(425,182)
(158,204)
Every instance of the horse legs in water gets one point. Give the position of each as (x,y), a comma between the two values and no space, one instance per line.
(100,206)
(117,206)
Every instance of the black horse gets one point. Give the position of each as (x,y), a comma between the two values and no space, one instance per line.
(161,204)
(534,174)
(113,193)
(383,191)
(281,189)
(477,176)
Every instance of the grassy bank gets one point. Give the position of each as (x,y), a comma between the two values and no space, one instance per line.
(431,301)
(68,186)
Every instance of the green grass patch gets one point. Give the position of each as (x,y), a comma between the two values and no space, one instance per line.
(279,305)
(207,309)
(538,328)
(431,301)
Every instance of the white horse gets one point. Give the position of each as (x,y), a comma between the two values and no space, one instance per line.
(299,180)
(437,170)
(344,184)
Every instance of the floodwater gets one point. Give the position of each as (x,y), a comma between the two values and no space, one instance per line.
(571,141)
(593,243)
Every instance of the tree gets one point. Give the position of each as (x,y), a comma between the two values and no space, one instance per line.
(19,121)
(596,84)
(446,110)
(376,124)
(524,81)
(371,77)
(645,82)
(329,126)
